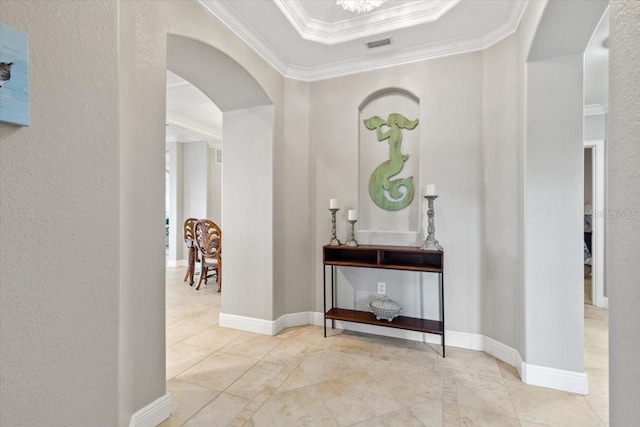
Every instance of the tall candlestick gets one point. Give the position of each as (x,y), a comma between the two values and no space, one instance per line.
(333,203)
(430,242)
(334,239)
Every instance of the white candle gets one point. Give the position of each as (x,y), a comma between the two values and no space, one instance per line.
(333,203)
(353,215)
(430,190)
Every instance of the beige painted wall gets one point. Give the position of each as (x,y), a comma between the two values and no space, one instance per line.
(59,198)
(623,242)
(214,188)
(553,213)
(501,210)
(247,214)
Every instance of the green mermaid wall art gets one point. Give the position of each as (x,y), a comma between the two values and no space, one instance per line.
(384,191)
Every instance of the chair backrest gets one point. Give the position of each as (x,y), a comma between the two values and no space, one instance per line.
(208,238)
(189,230)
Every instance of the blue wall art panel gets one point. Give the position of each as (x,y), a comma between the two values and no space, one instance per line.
(14,76)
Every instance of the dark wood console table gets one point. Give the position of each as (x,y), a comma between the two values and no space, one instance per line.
(387,257)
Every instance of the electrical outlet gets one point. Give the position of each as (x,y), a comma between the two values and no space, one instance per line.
(382,288)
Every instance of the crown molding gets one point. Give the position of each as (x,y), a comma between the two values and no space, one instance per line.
(596,109)
(180,86)
(204,133)
(366,25)
(408,56)
(244,32)
(452,47)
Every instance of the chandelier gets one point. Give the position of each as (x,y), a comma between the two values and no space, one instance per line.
(359,6)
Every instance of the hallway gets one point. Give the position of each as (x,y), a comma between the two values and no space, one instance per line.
(218,376)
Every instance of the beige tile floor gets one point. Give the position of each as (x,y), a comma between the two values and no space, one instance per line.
(224,377)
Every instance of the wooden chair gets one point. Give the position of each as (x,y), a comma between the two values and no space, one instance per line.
(209,242)
(189,232)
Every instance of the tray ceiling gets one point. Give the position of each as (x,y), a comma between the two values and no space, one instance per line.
(315,39)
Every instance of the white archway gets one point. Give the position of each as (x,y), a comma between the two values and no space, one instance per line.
(247,177)
(553,197)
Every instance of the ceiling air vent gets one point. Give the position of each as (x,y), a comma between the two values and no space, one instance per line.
(379,43)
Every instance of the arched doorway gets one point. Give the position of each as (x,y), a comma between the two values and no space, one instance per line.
(247,176)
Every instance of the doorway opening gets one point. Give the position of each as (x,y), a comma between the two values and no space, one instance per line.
(194,171)
(238,197)
(594,284)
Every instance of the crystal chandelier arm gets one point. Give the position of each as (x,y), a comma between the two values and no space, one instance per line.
(359,6)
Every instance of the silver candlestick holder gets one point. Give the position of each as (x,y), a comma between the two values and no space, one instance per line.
(352,236)
(430,242)
(334,239)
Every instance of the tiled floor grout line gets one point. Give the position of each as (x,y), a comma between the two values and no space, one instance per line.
(456,409)
(268,390)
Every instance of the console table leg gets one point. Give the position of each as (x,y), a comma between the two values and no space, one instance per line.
(324,299)
(442,306)
(333,294)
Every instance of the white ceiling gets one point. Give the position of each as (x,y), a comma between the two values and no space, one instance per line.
(596,69)
(191,115)
(315,39)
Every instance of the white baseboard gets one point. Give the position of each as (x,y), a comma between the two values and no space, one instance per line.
(152,414)
(249,324)
(574,382)
(558,379)
(267,327)
(508,355)
(604,303)
(464,340)
(291,320)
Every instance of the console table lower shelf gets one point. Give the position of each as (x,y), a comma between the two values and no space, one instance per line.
(400,322)
(383,257)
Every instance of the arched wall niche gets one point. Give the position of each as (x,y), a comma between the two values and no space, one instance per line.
(389,155)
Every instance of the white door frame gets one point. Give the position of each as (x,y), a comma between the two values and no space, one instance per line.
(597,244)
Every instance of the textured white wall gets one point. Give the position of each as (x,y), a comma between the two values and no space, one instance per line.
(553,213)
(595,127)
(177,248)
(247,213)
(623,233)
(59,214)
(294,285)
(588,177)
(501,211)
(214,189)
(196,174)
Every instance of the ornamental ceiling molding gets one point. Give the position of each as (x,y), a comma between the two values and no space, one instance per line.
(179,86)
(244,32)
(190,130)
(596,109)
(450,47)
(365,25)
